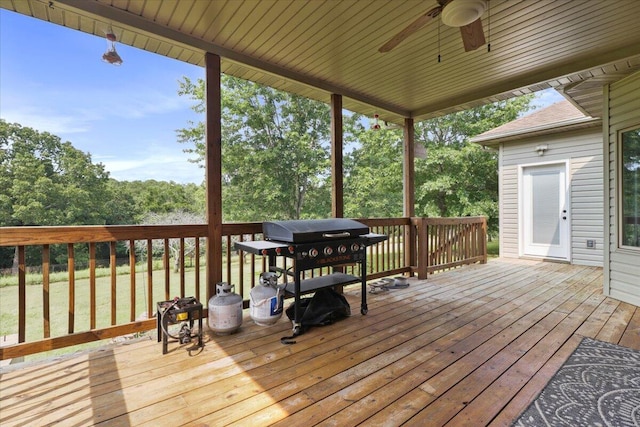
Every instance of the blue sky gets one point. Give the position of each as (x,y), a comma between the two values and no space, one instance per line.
(53,79)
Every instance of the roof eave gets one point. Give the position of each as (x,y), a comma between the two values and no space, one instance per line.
(493,141)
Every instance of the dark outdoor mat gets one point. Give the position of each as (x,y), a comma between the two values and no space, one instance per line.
(598,385)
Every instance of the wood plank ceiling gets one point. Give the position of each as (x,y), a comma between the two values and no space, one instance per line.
(315,48)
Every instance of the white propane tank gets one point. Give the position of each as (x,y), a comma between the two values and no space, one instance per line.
(225,310)
(266,300)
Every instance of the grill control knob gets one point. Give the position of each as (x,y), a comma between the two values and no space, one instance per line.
(328,250)
(342,249)
(313,252)
(355,247)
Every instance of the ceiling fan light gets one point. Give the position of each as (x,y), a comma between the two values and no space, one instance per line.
(459,13)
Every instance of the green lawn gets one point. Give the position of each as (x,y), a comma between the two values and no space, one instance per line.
(493,249)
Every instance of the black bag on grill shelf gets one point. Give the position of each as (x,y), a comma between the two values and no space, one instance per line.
(324,308)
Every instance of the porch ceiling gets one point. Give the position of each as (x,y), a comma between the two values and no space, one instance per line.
(315,48)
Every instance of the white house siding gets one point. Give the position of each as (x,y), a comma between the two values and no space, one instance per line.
(622,268)
(583,149)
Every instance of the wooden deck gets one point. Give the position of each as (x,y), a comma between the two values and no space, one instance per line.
(467,347)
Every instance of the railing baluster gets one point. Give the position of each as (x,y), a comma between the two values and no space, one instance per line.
(149,278)
(22,295)
(228,263)
(166,261)
(132,280)
(114,280)
(45,292)
(241,256)
(182,264)
(92,285)
(253,265)
(197,268)
(71,269)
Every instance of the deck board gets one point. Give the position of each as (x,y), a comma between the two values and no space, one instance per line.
(472,346)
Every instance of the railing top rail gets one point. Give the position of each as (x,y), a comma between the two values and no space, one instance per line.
(44,235)
(385,221)
(450,221)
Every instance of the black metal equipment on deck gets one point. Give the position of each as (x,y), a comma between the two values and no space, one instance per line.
(315,244)
(175,311)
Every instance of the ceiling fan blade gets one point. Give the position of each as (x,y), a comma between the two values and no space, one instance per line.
(412,28)
(472,35)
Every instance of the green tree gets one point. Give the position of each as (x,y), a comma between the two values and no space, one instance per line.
(456,177)
(373,171)
(158,197)
(45,181)
(275,150)
(121,208)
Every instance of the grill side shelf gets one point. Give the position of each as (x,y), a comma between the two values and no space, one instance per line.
(257,247)
(315,283)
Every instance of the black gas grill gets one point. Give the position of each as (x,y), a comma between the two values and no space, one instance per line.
(314,244)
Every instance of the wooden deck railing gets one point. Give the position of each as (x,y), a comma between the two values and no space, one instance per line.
(450,242)
(163,262)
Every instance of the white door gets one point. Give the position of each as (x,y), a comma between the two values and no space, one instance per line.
(545,219)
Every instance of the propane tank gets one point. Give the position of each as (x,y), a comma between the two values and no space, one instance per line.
(225,310)
(266,300)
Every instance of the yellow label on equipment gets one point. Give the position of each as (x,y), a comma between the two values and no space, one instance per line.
(182,316)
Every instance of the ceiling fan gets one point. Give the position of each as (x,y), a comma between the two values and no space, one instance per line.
(465,14)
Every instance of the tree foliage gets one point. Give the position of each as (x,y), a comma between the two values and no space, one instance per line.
(373,172)
(275,150)
(48,182)
(45,181)
(139,198)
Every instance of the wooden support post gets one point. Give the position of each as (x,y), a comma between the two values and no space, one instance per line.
(422,247)
(213,171)
(337,173)
(408,185)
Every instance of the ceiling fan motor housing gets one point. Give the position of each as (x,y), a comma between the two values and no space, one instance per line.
(459,13)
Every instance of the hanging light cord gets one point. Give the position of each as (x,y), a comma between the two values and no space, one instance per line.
(489,29)
(438,41)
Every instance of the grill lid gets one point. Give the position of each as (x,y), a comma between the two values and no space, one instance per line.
(313,230)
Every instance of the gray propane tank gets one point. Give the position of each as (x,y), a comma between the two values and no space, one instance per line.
(266,300)
(225,310)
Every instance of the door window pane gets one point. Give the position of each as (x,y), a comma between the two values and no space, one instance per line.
(631,188)
(546,208)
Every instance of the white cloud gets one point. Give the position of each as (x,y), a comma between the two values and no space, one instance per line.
(161,165)
(72,108)
(45,120)
(124,103)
